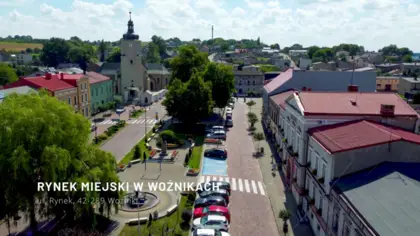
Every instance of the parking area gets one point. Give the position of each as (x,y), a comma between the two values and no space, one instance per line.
(213,166)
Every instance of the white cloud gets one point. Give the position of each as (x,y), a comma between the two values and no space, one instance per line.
(14,3)
(372,23)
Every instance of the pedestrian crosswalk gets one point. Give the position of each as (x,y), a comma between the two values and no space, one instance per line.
(237,184)
(134,122)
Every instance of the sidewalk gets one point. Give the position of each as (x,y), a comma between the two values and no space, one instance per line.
(279,197)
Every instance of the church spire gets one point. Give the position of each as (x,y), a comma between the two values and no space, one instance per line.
(130,31)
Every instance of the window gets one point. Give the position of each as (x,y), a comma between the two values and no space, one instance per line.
(322,168)
(314,162)
(320,201)
(335,219)
(75,100)
(96,90)
(346,230)
(253,82)
(101,91)
(313,190)
(70,100)
(249,82)
(86,98)
(82,99)
(296,144)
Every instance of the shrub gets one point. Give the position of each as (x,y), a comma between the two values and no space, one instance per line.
(101,137)
(186,215)
(137,153)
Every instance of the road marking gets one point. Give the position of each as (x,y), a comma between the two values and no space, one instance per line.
(141,121)
(234,184)
(260,186)
(241,188)
(247,186)
(214,178)
(254,187)
(227,179)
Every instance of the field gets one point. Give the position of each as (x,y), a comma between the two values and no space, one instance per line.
(17,47)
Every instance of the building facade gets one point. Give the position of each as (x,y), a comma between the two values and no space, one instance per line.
(248,79)
(387,83)
(100,90)
(409,87)
(159,76)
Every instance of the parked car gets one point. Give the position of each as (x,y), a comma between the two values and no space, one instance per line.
(209,232)
(229,122)
(211,129)
(219,192)
(209,185)
(228,110)
(216,152)
(211,222)
(231,105)
(229,116)
(209,201)
(218,134)
(213,210)
(93,127)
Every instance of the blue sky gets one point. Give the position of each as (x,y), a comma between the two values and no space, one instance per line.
(371,23)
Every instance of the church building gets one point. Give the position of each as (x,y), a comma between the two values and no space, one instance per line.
(132,85)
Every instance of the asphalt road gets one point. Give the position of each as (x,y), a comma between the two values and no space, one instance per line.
(125,140)
(251,212)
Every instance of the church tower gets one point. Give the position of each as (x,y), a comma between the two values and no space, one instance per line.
(133,74)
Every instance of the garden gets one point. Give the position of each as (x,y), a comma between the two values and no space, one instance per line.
(111,131)
(178,223)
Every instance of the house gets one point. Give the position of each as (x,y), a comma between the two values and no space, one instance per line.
(18,90)
(322,66)
(387,67)
(248,80)
(387,83)
(297,53)
(373,57)
(72,89)
(113,71)
(67,65)
(71,70)
(319,81)
(409,86)
(305,63)
(324,135)
(282,63)
(408,68)
(158,75)
(100,90)
(23,58)
(41,71)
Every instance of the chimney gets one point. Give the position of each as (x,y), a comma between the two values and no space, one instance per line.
(48,76)
(61,75)
(303,88)
(353,88)
(387,109)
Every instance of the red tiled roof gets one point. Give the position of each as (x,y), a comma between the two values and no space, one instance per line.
(359,134)
(280,99)
(96,77)
(54,84)
(279,80)
(341,103)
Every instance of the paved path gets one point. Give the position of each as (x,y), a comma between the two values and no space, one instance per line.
(251,212)
(125,140)
(279,197)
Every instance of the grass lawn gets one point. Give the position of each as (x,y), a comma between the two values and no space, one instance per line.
(17,47)
(143,149)
(173,221)
(136,114)
(263,59)
(197,153)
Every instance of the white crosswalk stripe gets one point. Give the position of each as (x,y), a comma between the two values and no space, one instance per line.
(237,184)
(254,187)
(241,188)
(233,184)
(247,186)
(261,188)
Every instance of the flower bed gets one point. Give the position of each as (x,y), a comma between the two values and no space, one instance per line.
(172,145)
(193,172)
(212,140)
(174,153)
(153,153)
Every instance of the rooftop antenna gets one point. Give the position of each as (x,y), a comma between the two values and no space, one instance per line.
(130,14)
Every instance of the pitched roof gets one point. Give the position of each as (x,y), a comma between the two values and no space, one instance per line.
(351,103)
(280,99)
(96,77)
(359,134)
(54,84)
(279,80)
(386,196)
(267,81)
(18,90)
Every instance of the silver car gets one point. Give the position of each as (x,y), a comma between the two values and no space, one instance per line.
(216,222)
(208,232)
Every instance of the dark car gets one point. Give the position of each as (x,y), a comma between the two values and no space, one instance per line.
(215,152)
(220,192)
(210,201)
(212,184)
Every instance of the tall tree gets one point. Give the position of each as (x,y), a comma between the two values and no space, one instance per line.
(312,50)
(7,74)
(153,53)
(102,49)
(222,82)
(115,55)
(54,147)
(160,42)
(188,59)
(55,52)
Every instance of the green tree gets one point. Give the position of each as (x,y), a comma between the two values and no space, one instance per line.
(259,137)
(55,52)
(153,53)
(250,104)
(189,102)
(188,60)
(79,55)
(252,118)
(160,43)
(275,46)
(222,83)
(137,153)
(115,55)
(7,74)
(407,58)
(54,147)
(224,47)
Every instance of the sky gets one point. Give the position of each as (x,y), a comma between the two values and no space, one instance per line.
(371,23)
